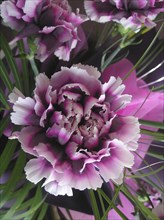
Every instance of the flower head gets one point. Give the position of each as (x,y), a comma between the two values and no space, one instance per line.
(51,22)
(72,129)
(129,13)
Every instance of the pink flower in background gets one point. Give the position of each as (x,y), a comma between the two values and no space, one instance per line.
(129,13)
(72,128)
(51,22)
(151,102)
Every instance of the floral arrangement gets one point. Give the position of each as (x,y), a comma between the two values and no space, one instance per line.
(81,107)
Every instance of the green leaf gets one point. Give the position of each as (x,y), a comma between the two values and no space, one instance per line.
(159,88)
(42,212)
(112,204)
(121,214)
(3,99)
(23,193)
(4,122)
(14,178)
(5,76)
(147,213)
(146,174)
(7,154)
(94,204)
(152,123)
(10,59)
(36,199)
(155,155)
(31,211)
(25,72)
(144,54)
(156,135)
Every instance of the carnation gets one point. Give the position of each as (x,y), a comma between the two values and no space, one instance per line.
(72,128)
(130,13)
(50,22)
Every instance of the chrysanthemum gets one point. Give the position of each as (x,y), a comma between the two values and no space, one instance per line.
(130,13)
(72,129)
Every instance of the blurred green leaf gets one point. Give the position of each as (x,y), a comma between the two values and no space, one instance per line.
(4,122)
(147,213)
(42,212)
(21,197)
(156,135)
(25,70)
(3,99)
(112,204)
(10,60)
(159,88)
(14,177)
(5,76)
(7,154)
(121,214)
(94,204)
(155,155)
(146,174)
(152,123)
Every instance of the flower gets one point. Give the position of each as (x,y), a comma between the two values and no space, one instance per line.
(152,109)
(51,22)
(130,13)
(72,129)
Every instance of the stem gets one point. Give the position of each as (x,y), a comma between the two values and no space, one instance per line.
(24,67)
(33,65)
(111,57)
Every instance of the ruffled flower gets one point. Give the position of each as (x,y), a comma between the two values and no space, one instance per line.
(73,130)
(51,22)
(130,13)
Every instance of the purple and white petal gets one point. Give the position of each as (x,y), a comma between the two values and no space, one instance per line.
(36,170)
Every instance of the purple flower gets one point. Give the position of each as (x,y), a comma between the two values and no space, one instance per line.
(51,22)
(72,129)
(130,13)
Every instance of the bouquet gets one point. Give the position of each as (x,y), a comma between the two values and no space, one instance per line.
(81,107)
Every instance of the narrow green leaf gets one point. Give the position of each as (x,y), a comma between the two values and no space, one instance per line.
(30,211)
(3,99)
(22,195)
(25,205)
(156,135)
(146,174)
(36,199)
(159,88)
(14,178)
(155,155)
(121,214)
(10,59)
(112,204)
(4,122)
(69,214)
(94,204)
(101,201)
(42,212)
(25,72)
(147,213)
(145,162)
(152,123)
(7,154)
(152,183)
(144,54)
(150,57)
(5,76)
